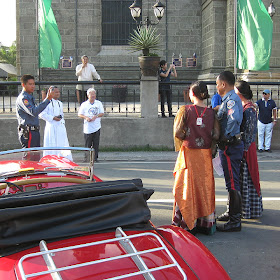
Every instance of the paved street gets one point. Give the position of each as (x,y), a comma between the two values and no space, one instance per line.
(253,253)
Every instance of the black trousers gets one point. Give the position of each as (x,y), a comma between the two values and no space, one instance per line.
(92,140)
(82,95)
(32,139)
(29,140)
(166,94)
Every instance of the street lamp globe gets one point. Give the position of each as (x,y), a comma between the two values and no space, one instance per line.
(159,10)
(135,10)
(271,9)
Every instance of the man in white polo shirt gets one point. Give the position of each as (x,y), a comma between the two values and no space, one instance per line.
(85,72)
(92,111)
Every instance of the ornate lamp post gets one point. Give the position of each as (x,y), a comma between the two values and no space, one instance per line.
(135,10)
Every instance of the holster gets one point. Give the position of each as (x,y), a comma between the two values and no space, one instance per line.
(24,129)
(234,140)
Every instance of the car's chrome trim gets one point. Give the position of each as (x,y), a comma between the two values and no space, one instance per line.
(121,238)
(90,150)
(45,148)
(49,260)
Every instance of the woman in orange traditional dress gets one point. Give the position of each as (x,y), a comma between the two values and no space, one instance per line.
(195,127)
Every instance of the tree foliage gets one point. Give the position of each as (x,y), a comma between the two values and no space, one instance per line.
(8,54)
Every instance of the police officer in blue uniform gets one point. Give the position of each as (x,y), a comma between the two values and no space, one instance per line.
(27,113)
(230,115)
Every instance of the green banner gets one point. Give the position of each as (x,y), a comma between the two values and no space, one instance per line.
(49,36)
(253,35)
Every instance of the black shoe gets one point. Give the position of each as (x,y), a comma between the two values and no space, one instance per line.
(223,217)
(268,151)
(163,116)
(207,231)
(260,150)
(235,206)
(171,116)
(193,231)
(230,226)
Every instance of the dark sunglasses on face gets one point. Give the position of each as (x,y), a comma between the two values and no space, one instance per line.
(265,93)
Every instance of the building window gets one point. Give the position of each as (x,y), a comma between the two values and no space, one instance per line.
(117,22)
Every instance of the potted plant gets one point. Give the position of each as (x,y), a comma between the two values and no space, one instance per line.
(144,39)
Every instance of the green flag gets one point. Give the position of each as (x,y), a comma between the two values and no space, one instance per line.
(253,35)
(49,36)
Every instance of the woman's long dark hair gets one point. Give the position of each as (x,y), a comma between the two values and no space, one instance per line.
(244,89)
(200,90)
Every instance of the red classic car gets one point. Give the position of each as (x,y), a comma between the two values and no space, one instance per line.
(59,221)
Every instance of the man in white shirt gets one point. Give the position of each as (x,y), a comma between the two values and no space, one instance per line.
(85,72)
(55,134)
(92,111)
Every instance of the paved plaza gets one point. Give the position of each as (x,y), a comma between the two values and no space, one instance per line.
(252,253)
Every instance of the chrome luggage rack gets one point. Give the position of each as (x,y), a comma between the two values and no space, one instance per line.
(126,244)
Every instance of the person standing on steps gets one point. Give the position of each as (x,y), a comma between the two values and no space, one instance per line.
(85,72)
(165,89)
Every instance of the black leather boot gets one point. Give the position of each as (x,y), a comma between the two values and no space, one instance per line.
(225,216)
(235,204)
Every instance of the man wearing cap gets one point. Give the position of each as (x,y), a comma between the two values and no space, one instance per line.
(85,72)
(267,107)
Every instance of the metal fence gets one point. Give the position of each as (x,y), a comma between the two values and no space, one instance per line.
(119,98)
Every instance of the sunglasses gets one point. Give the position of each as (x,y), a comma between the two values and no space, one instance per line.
(265,93)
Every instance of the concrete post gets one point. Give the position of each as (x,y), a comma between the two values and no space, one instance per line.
(149,96)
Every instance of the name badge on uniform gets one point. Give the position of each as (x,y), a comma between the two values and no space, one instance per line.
(199,121)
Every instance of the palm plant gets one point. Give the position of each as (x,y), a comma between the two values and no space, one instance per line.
(144,39)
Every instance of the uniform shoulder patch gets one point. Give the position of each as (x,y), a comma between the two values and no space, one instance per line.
(230,104)
(25,102)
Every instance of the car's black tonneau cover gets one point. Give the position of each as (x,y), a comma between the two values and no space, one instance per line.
(64,212)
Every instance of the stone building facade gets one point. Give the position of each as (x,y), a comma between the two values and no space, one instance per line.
(204,27)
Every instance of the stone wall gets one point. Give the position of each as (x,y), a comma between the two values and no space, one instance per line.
(80,31)
(204,27)
(213,36)
(27,38)
(115,132)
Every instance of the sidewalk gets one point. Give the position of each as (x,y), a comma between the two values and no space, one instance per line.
(163,156)
(138,156)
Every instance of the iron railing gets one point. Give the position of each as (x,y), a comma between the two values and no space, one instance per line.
(119,98)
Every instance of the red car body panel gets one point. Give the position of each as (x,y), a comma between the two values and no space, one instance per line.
(193,257)
(49,161)
(194,252)
(111,269)
(195,260)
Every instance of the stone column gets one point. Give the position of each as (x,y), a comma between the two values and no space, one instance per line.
(149,97)
(214,20)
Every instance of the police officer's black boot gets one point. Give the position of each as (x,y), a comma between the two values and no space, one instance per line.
(235,204)
(225,216)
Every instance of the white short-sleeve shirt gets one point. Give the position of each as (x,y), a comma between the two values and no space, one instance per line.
(89,110)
